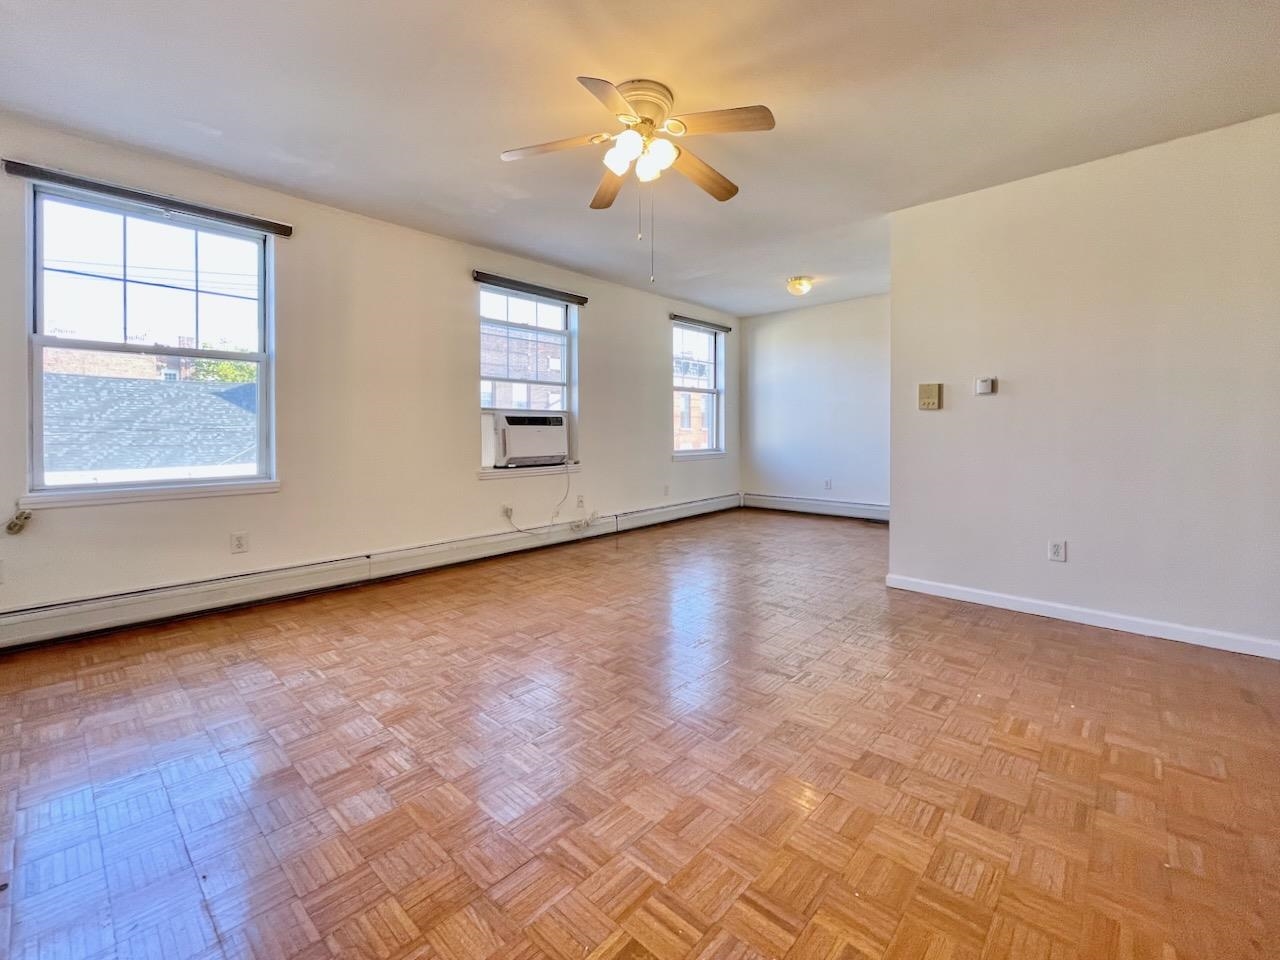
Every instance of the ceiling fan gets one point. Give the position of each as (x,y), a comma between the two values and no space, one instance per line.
(644,108)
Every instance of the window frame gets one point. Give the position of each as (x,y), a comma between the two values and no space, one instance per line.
(717,392)
(486,470)
(570,324)
(41,493)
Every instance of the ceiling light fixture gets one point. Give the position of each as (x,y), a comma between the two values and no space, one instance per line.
(617,162)
(664,152)
(799,286)
(627,146)
(629,143)
(652,155)
(647,168)
(644,108)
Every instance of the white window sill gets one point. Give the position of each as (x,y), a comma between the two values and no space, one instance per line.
(697,455)
(85,497)
(511,473)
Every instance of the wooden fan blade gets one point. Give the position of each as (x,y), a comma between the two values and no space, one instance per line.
(610,184)
(706,176)
(613,100)
(568,143)
(733,120)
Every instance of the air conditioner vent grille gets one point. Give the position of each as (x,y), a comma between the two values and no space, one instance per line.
(517,420)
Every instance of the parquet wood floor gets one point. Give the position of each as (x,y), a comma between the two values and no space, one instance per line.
(721,739)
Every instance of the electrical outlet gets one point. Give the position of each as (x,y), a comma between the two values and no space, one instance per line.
(666,490)
(506,510)
(240,542)
(826,484)
(1,571)
(581,502)
(1058,551)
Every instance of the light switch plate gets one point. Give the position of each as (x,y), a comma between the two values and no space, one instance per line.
(930,396)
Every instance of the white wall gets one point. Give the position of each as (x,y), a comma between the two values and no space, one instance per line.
(1131,309)
(378,438)
(816,400)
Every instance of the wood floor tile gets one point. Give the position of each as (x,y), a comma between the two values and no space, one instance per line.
(708,885)
(572,928)
(718,739)
(665,925)
(467,934)
(530,890)
(383,930)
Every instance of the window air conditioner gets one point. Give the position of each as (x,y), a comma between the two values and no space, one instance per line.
(522,439)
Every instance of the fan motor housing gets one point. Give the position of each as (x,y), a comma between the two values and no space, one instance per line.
(651,100)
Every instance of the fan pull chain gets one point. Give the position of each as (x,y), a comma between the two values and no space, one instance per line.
(640,214)
(652,274)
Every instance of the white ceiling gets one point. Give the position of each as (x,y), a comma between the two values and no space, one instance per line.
(399,109)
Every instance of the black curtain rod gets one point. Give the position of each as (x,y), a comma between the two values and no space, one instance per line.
(701,323)
(62,179)
(519,286)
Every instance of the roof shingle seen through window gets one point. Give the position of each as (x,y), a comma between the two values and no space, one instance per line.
(113,423)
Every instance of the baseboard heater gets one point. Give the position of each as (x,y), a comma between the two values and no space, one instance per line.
(830,508)
(74,617)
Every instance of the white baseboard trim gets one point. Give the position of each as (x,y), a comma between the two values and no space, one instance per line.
(1199,636)
(833,508)
(677,511)
(84,616)
(431,555)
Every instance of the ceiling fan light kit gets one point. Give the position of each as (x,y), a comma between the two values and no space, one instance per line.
(644,108)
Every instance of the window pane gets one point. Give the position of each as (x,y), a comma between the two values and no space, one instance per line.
(228,265)
(229,323)
(551,358)
(522,354)
(161,315)
(693,373)
(160,253)
(551,316)
(121,418)
(81,239)
(694,421)
(546,397)
(694,344)
(507,396)
(493,350)
(693,358)
(82,308)
(493,306)
(521,396)
(522,311)
(496,395)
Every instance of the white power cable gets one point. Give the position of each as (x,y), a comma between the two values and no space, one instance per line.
(509,511)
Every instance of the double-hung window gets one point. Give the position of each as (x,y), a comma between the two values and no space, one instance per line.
(150,347)
(524,351)
(697,358)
